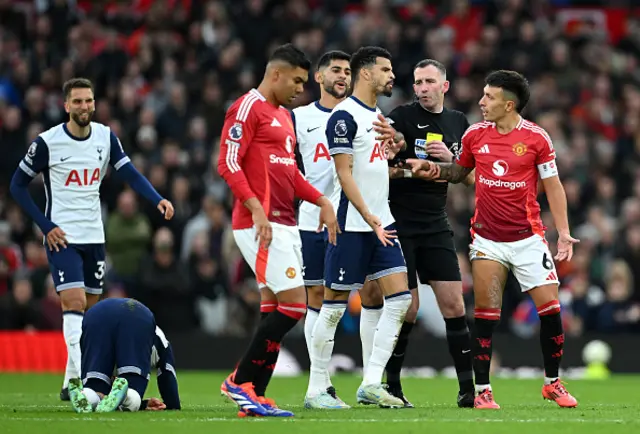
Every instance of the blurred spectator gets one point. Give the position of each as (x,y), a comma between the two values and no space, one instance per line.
(128,235)
(18,309)
(50,307)
(164,285)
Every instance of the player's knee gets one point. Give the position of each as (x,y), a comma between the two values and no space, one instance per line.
(371,295)
(452,308)
(292,296)
(330,294)
(73,299)
(315,296)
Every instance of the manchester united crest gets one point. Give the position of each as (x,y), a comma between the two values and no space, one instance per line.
(519,149)
(291,272)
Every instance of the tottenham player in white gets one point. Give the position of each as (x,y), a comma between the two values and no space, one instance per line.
(333,74)
(73,158)
(367,247)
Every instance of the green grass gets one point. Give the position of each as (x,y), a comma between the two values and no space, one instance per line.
(29,404)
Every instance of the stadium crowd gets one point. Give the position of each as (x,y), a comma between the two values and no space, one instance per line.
(165,71)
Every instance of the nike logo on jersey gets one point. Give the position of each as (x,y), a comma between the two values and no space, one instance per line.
(64,159)
(312,129)
(422,126)
(369,129)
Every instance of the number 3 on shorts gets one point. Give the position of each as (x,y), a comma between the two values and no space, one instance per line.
(546,262)
(100,273)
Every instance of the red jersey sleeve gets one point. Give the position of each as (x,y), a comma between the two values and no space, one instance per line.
(544,147)
(304,190)
(237,133)
(466,158)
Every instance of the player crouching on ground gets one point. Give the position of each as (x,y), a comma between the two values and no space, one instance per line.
(122,333)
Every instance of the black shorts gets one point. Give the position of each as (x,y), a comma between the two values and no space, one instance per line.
(430,257)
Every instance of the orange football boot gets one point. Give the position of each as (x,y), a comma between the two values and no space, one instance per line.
(557,392)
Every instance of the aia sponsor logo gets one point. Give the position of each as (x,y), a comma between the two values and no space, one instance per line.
(83,178)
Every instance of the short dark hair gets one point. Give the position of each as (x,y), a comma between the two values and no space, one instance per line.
(366,57)
(330,56)
(292,55)
(431,62)
(512,82)
(76,83)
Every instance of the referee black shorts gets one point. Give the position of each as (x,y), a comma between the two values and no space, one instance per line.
(431,257)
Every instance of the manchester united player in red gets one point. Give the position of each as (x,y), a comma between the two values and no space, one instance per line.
(258,163)
(510,154)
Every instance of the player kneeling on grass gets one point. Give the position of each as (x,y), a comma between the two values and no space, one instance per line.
(121,333)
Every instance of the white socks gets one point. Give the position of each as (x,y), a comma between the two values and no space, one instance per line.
(369,317)
(386,335)
(309,324)
(132,401)
(322,345)
(92,397)
(72,330)
(481,387)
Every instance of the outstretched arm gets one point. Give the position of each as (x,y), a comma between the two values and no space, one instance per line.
(453,172)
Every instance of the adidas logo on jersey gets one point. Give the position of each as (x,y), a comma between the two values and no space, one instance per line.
(484,149)
(552,276)
(275,123)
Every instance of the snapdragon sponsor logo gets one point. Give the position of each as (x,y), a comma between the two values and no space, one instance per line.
(274,159)
(499,183)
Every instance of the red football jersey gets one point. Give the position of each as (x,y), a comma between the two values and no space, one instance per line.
(257,160)
(507,170)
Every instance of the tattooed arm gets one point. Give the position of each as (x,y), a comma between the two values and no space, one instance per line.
(453,172)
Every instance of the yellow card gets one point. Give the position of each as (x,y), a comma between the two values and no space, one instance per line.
(434,136)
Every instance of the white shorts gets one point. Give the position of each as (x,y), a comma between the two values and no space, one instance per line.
(279,268)
(530,259)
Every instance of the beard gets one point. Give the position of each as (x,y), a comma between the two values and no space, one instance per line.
(384,89)
(338,94)
(82,123)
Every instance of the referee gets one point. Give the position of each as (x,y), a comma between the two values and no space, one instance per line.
(431,132)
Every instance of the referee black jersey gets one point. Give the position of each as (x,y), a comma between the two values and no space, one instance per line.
(418,206)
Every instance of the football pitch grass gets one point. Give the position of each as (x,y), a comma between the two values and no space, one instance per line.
(29,404)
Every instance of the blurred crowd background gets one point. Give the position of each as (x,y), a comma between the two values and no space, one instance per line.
(165,71)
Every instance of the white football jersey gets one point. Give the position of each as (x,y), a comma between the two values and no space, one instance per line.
(350,131)
(73,169)
(310,123)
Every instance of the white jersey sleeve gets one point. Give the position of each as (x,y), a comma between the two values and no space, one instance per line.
(315,162)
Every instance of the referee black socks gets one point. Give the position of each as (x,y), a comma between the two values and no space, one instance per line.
(459,340)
